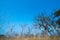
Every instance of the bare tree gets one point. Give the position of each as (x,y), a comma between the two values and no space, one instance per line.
(46,22)
(10,31)
(57,15)
(23,28)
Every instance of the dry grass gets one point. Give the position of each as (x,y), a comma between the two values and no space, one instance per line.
(32,38)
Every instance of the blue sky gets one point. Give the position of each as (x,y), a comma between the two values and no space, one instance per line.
(23,11)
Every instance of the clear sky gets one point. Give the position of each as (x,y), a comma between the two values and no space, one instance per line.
(23,11)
